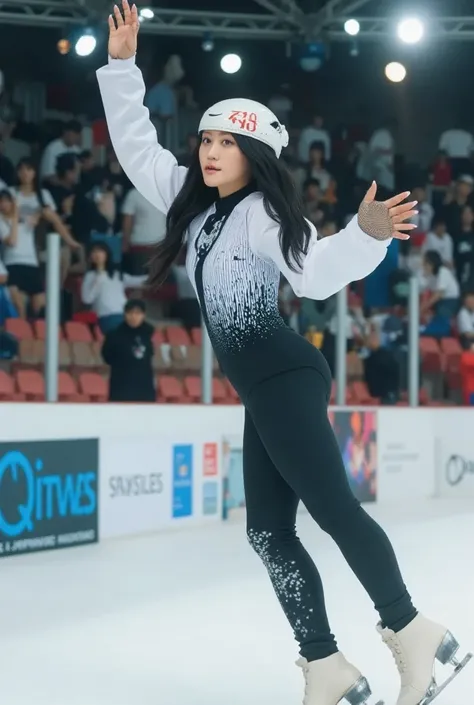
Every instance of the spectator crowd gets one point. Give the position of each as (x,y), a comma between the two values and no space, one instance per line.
(108,230)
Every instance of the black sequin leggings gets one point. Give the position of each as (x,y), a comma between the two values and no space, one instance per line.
(291,454)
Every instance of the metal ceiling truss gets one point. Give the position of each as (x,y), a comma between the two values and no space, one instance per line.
(284,20)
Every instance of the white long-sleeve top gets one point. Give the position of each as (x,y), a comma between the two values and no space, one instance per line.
(234,257)
(105,293)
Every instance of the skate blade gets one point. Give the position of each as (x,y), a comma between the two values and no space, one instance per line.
(434,690)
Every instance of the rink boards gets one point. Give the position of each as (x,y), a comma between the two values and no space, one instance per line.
(75,474)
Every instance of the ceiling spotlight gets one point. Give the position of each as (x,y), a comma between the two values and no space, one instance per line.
(86,44)
(231,63)
(395,72)
(352,27)
(410,30)
(146,13)
(207,43)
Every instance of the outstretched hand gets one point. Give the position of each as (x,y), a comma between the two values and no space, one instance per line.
(398,211)
(123,31)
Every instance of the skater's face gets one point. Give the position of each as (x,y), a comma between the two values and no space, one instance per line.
(222,163)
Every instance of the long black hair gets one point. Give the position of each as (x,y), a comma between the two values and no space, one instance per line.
(280,197)
(30,164)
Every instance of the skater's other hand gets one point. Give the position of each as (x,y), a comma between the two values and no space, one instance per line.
(123,32)
(395,214)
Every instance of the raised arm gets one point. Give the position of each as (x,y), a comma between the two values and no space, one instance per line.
(333,262)
(152,169)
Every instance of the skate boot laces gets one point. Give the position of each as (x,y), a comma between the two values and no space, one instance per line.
(303,664)
(395,647)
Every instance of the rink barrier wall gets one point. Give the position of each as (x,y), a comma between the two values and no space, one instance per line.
(74,474)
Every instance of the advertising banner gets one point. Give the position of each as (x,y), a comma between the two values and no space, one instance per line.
(455,453)
(406,454)
(356,433)
(135,486)
(182,481)
(48,495)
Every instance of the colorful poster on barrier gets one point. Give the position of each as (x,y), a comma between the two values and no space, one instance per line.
(356,433)
(182,481)
(48,495)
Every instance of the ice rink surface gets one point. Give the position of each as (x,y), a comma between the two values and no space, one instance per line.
(190,618)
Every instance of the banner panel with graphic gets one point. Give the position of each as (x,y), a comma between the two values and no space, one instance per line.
(48,495)
(455,453)
(148,484)
(356,433)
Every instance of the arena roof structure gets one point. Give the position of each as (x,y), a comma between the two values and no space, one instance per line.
(284,20)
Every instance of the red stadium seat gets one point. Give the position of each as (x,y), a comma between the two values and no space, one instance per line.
(196,336)
(176,335)
(430,352)
(170,390)
(158,337)
(452,351)
(19,329)
(31,383)
(78,332)
(94,386)
(7,388)
(40,329)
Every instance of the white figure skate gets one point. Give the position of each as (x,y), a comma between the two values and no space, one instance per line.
(416,649)
(331,680)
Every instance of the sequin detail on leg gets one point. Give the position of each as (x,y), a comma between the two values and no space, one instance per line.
(286,579)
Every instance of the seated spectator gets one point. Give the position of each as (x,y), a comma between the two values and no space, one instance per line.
(438,240)
(315,210)
(381,371)
(464,247)
(441,172)
(186,308)
(115,180)
(128,349)
(104,287)
(425,211)
(317,169)
(443,298)
(91,174)
(466,322)
(70,141)
(457,198)
(314,133)
(7,170)
(23,271)
(142,227)
(11,301)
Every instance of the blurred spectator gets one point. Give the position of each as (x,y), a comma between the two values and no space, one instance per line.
(192,143)
(381,371)
(442,299)
(458,145)
(457,197)
(381,149)
(9,234)
(316,167)
(328,228)
(128,349)
(23,272)
(91,174)
(7,170)
(464,247)
(70,141)
(438,240)
(115,181)
(315,210)
(425,211)
(314,133)
(186,308)
(441,172)
(142,227)
(103,288)
(466,321)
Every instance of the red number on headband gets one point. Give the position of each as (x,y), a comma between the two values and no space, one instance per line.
(244,120)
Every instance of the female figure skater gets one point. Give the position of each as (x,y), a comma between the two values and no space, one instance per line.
(239,213)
